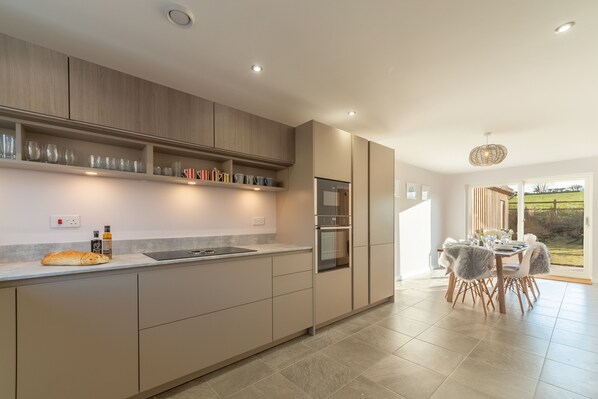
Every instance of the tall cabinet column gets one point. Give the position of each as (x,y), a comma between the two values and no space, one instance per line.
(381,215)
(360,193)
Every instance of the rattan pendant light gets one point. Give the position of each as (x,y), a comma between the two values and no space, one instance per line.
(488,154)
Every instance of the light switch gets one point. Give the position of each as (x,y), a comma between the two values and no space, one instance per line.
(65,221)
(259,220)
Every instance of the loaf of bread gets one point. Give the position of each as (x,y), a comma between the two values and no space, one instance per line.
(74,258)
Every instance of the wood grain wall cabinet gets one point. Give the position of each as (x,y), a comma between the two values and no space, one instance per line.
(78,339)
(245,133)
(106,97)
(8,343)
(332,152)
(33,78)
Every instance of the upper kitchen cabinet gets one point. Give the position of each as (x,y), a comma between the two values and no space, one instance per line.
(110,98)
(33,78)
(249,134)
(332,152)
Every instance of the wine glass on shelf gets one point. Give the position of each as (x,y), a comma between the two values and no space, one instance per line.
(69,156)
(34,152)
(52,154)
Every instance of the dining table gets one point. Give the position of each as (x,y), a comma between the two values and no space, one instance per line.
(499,254)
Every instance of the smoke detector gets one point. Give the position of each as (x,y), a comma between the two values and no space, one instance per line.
(179,15)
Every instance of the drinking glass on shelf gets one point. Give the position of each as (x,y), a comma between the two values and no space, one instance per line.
(138,166)
(8,147)
(113,164)
(34,152)
(69,156)
(52,153)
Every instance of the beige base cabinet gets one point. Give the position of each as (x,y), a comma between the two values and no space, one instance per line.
(33,78)
(381,272)
(78,339)
(8,342)
(333,294)
(292,283)
(174,350)
(361,285)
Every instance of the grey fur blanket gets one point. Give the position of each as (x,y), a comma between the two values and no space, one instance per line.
(468,263)
(540,259)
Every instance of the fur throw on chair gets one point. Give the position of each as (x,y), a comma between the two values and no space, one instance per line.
(469,263)
(540,259)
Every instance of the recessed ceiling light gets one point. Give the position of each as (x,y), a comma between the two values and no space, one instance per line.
(352,113)
(564,27)
(257,68)
(91,173)
(179,16)
(191,183)
(256,189)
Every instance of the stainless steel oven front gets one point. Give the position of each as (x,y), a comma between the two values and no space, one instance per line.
(333,243)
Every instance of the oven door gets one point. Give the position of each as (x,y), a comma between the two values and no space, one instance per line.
(332,197)
(333,247)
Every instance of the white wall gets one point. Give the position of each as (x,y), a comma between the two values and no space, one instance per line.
(135,209)
(455,191)
(418,224)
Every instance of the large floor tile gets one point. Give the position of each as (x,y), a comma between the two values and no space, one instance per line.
(523,342)
(547,391)
(436,358)
(423,315)
(362,388)
(522,327)
(531,316)
(319,375)
(576,340)
(404,377)
(196,389)
(586,317)
(577,327)
(404,325)
(573,356)
(284,355)
(355,354)
(325,337)
(494,381)
(508,358)
(383,338)
(451,389)
(273,387)
(233,378)
(450,340)
(475,327)
(570,378)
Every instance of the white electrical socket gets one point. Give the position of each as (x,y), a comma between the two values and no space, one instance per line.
(65,221)
(259,220)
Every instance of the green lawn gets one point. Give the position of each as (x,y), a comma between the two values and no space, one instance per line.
(531,200)
(566,254)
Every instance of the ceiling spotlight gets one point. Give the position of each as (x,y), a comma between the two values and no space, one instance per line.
(257,68)
(191,183)
(179,16)
(564,27)
(352,113)
(91,173)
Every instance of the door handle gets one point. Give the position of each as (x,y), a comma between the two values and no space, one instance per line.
(587,221)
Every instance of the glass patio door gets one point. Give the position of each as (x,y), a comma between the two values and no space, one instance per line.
(556,210)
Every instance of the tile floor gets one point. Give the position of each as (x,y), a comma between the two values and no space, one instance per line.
(419,347)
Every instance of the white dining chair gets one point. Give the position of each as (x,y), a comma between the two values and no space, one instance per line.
(516,277)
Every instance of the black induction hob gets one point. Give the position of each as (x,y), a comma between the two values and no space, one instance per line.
(197,253)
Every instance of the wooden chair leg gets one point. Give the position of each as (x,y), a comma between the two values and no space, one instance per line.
(458,293)
(528,281)
(490,301)
(524,284)
(471,290)
(536,284)
(518,295)
(481,292)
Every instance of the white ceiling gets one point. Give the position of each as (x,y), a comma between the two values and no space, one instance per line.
(427,77)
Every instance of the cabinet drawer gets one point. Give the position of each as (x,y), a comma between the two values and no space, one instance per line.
(292,313)
(174,350)
(286,264)
(291,283)
(175,294)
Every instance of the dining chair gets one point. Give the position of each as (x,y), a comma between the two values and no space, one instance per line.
(516,276)
(539,264)
(471,265)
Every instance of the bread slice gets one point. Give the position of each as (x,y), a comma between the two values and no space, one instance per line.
(74,258)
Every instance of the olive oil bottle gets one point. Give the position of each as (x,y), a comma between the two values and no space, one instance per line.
(107,242)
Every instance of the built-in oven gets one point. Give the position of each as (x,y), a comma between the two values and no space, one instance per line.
(333,197)
(333,224)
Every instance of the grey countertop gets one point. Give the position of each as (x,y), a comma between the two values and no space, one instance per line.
(26,270)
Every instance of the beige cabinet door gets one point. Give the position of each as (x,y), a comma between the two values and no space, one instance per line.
(381,200)
(169,295)
(360,191)
(292,313)
(111,98)
(33,78)
(361,273)
(249,134)
(173,350)
(381,272)
(8,343)
(332,152)
(333,294)
(78,339)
